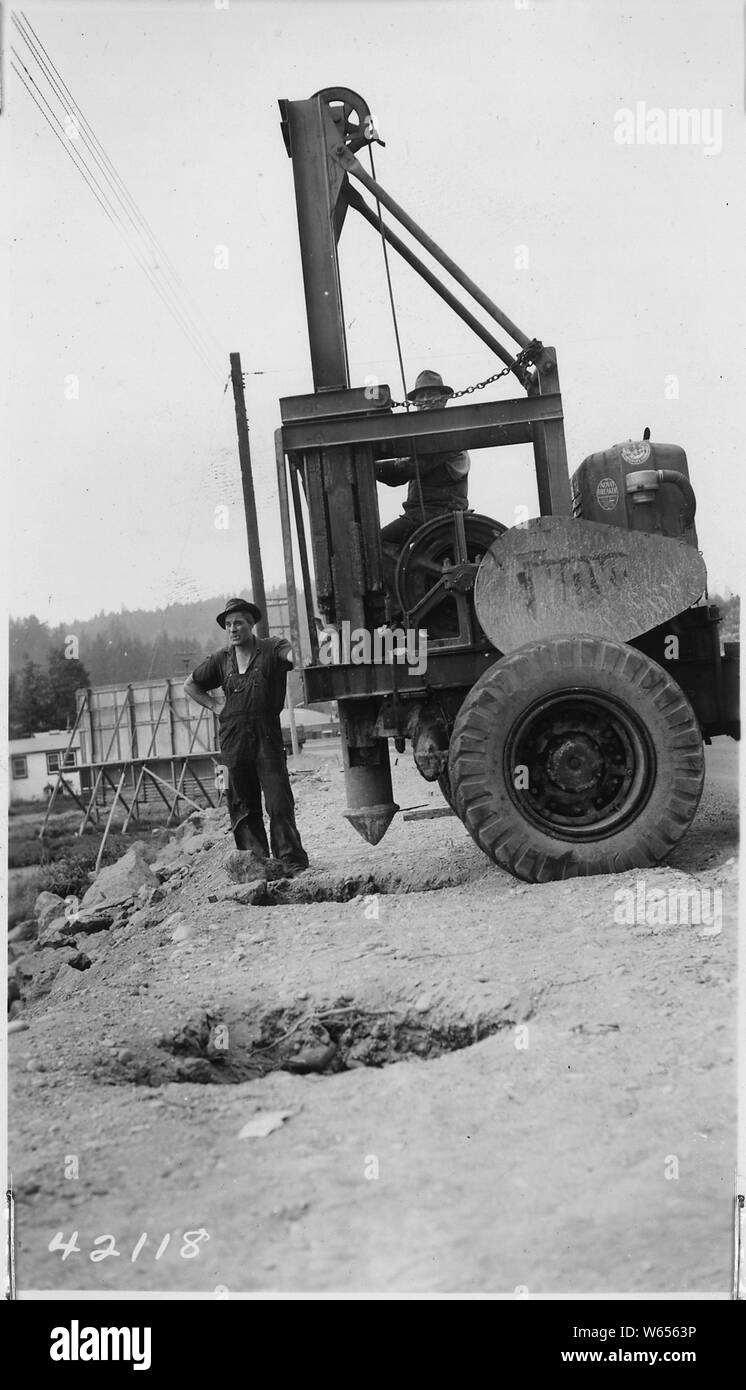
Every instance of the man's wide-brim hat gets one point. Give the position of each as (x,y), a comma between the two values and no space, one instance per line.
(240,605)
(429,381)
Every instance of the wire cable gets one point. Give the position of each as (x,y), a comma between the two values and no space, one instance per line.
(396,335)
(110,209)
(100,197)
(122,192)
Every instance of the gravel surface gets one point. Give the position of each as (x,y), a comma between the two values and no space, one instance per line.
(446,1081)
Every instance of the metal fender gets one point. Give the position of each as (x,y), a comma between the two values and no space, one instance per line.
(556,574)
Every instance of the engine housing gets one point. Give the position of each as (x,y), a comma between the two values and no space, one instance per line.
(639,485)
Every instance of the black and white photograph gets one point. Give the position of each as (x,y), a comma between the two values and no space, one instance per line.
(374,440)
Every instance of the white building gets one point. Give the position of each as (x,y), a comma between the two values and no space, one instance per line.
(35,761)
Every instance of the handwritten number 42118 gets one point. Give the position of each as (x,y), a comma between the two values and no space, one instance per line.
(189,1248)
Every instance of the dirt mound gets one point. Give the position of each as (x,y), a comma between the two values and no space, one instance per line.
(401,1064)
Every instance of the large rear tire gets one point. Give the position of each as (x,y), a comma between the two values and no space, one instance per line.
(576,756)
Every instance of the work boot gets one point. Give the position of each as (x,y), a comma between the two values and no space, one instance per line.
(292,867)
(291,870)
(245,840)
(273,868)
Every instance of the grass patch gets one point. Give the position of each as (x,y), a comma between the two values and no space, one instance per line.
(62,862)
(61,840)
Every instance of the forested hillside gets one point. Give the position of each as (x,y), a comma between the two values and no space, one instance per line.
(130,645)
(47,664)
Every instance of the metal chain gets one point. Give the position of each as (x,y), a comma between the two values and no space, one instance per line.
(524,359)
(478,386)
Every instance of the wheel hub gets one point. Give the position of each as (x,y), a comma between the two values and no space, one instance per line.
(576,764)
(588,763)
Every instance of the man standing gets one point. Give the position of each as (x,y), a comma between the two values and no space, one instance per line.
(437,482)
(252,672)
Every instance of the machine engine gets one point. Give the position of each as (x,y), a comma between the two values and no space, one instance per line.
(640,486)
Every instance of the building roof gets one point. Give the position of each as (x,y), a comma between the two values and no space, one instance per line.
(51,740)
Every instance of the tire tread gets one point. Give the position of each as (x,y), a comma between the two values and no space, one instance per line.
(503,835)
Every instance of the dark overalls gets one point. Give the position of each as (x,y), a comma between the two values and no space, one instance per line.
(252,749)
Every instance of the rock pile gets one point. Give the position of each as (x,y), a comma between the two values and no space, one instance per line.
(132,893)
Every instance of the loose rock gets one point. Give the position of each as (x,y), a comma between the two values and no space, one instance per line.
(47,907)
(27,930)
(80,961)
(194,843)
(264,1122)
(243,866)
(196,1069)
(248,894)
(311,1059)
(54,935)
(143,918)
(85,924)
(119,882)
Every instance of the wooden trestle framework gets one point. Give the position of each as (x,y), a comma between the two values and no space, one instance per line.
(179,756)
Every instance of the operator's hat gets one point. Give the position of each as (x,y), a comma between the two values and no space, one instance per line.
(240,605)
(429,381)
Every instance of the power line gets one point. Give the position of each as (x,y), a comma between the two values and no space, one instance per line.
(124,195)
(17,71)
(66,98)
(83,170)
(110,212)
(110,209)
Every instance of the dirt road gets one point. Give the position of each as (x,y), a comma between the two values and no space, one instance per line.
(524,1090)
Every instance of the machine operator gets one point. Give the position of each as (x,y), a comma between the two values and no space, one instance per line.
(443,482)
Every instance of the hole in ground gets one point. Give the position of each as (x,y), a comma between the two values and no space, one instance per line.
(342,888)
(223,1050)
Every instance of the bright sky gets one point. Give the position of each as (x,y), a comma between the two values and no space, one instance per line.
(499,122)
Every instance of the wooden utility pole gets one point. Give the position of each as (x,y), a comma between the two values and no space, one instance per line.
(249,501)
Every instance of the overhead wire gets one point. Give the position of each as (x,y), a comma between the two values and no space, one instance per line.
(396,335)
(109,207)
(109,210)
(17,70)
(97,149)
(84,172)
(116,201)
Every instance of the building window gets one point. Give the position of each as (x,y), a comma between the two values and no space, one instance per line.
(55,760)
(19,768)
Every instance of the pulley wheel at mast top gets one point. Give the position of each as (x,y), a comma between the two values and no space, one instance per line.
(351,114)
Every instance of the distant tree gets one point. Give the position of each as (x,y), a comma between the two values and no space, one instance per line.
(66,675)
(137,644)
(98,659)
(15,729)
(32,705)
(30,640)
